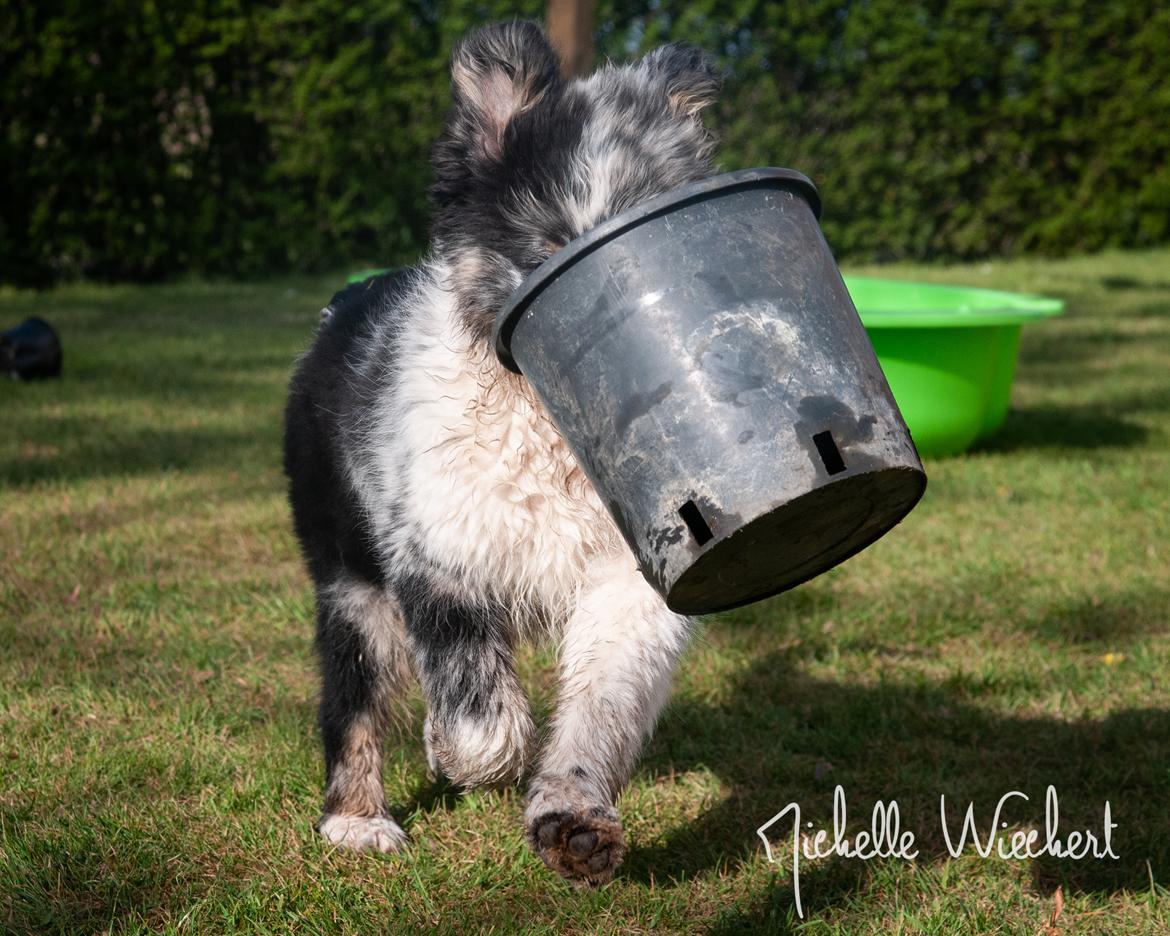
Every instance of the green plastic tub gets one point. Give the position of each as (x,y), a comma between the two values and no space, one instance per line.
(948,352)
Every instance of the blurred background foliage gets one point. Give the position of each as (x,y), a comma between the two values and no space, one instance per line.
(145,139)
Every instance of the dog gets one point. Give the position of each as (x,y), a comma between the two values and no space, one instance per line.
(441,515)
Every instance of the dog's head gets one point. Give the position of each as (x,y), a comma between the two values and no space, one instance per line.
(528,162)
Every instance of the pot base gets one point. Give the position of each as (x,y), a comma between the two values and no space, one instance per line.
(796,541)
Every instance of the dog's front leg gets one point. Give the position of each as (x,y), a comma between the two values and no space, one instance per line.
(479,729)
(620,647)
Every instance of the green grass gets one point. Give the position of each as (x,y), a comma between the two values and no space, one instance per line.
(158,754)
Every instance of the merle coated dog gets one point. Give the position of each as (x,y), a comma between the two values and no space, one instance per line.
(441,515)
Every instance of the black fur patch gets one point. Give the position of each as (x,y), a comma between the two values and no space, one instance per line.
(326,405)
(462,649)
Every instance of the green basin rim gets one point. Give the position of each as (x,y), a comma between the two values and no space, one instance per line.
(886,303)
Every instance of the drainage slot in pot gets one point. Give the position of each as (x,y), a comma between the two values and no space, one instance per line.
(827,449)
(695,522)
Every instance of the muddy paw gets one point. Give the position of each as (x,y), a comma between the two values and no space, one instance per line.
(585,849)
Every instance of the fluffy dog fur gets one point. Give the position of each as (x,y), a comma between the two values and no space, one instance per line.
(442,517)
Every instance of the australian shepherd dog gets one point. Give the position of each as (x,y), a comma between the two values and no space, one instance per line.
(442,517)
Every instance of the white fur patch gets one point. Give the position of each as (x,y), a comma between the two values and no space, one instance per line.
(482,480)
(484,752)
(377,614)
(610,173)
(618,654)
(357,833)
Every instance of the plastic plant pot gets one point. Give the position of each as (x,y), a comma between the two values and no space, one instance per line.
(30,351)
(948,352)
(704,361)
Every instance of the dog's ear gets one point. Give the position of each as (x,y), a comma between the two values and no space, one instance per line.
(496,73)
(690,77)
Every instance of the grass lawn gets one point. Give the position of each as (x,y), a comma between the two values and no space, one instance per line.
(159,764)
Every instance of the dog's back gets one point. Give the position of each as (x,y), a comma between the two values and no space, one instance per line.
(327,400)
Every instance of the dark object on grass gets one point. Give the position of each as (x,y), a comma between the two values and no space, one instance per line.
(30,351)
(703,359)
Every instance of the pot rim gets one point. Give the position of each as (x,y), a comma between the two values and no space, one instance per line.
(578,247)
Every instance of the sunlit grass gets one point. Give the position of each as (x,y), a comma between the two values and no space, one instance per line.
(158,754)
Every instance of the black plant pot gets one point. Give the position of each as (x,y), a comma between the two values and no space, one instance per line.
(30,351)
(704,361)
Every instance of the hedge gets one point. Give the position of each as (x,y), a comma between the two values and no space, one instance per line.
(228,137)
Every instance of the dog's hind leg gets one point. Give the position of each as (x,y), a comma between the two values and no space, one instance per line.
(618,656)
(364,665)
(479,729)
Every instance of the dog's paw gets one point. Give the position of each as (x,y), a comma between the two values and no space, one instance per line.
(363,833)
(585,848)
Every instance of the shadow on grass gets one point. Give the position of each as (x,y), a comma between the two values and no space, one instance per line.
(1067,352)
(175,393)
(76,448)
(1114,283)
(783,736)
(1072,427)
(1085,427)
(1152,310)
(430,796)
(1110,620)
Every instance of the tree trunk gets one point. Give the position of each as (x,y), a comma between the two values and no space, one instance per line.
(570,27)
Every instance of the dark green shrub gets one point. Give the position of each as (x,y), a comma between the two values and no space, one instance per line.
(223,136)
(130,144)
(945,129)
(141,140)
